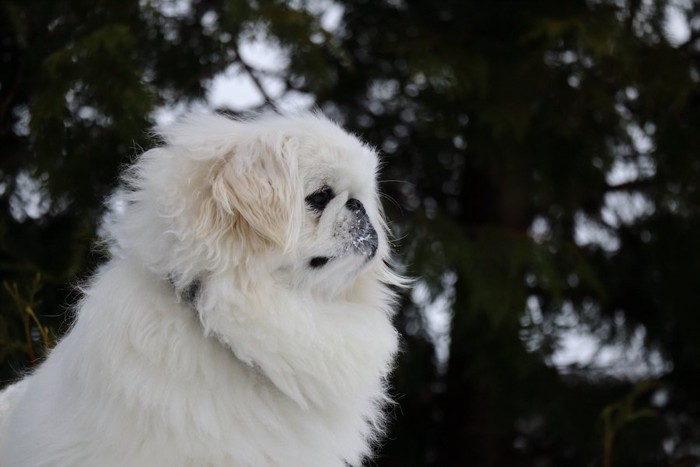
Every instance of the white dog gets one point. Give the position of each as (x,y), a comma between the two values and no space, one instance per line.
(246,320)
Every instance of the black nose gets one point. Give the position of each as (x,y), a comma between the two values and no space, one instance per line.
(356,206)
(364,237)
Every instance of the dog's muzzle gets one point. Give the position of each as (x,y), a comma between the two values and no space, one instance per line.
(364,237)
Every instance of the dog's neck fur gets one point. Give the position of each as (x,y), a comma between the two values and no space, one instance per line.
(188,295)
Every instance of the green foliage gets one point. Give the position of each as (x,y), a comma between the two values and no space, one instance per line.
(35,333)
(618,414)
(541,170)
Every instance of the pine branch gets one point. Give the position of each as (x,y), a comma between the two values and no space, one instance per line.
(250,71)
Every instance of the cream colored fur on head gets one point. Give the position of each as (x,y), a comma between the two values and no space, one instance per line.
(244,321)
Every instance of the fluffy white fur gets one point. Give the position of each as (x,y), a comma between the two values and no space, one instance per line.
(274,363)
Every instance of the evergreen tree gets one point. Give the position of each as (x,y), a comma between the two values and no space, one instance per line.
(541,170)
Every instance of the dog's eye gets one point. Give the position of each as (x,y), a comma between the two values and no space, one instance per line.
(318,200)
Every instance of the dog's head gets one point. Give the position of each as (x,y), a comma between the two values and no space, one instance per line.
(293,199)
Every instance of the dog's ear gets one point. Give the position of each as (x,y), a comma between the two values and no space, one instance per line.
(258,184)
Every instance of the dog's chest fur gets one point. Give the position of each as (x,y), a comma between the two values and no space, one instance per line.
(146,387)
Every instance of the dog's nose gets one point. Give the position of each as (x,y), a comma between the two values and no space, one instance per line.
(364,237)
(356,206)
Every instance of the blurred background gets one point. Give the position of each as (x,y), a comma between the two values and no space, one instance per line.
(542,169)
